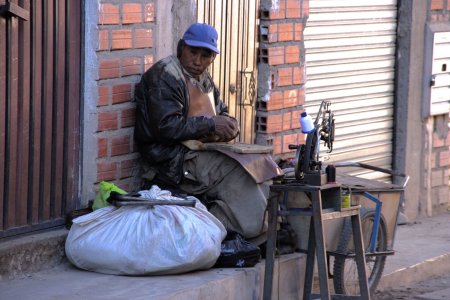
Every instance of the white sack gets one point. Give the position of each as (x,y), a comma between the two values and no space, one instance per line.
(138,240)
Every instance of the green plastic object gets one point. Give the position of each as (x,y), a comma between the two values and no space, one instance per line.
(105,189)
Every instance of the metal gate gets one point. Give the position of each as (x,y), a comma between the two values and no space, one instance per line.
(39,113)
(234,70)
(350,58)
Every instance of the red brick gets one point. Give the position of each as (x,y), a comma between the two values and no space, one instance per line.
(106,171)
(275,101)
(293,8)
(301,138)
(128,117)
(148,62)
(121,39)
(298,31)
(273,33)
(284,76)
(109,68)
(103,40)
(444,158)
(274,123)
(132,13)
(437,178)
(278,11)
(298,75)
(102,144)
(121,93)
(285,32)
(437,141)
(292,54)
(127,168)
(120,145)
(103,95)
(126,185)
(149,12)
(447,139)
(290,98)
(296,119)
(437,4)
(276,56)
(143,38)
(301,96)
(130,66)
(287,121)
(107,121)
(289,139)
(109,14)
(277,147)
(305,9)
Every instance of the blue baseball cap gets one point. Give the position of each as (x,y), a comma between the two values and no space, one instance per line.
(201,35)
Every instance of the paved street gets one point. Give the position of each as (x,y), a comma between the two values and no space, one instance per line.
(436,288)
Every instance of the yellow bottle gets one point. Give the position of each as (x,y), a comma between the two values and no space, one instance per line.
(345,198)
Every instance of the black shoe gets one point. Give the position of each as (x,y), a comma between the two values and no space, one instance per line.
(236,252)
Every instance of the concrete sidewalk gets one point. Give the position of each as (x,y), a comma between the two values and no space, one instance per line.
(422,251)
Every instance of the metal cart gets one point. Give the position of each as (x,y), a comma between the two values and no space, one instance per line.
(379,201)
(380,204)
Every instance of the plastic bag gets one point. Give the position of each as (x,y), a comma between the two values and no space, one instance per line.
(105,188)
(237,252)
(165,239)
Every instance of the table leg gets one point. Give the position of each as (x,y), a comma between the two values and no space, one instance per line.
(320,245)
(310,257)
(360,257)
(270,246)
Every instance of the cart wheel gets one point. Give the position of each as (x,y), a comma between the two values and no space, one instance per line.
(345,273)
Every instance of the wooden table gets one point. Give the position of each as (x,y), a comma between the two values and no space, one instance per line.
(325,205)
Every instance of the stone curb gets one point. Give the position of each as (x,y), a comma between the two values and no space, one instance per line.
(32,253)
(429,268)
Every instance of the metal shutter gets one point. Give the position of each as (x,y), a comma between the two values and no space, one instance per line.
(350,58)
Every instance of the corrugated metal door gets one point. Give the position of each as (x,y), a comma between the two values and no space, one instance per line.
(350,58)
(39,113)
(234,70)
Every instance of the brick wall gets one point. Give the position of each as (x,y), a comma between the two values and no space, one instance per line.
(440,161)
(281,66)
(125,50)
(439,10)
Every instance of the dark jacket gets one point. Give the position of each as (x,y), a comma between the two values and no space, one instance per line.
(162,100)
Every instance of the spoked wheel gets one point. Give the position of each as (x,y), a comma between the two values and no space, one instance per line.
(345,272)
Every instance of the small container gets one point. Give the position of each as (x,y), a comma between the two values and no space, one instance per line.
(345,198)
(306,122)
(330,170)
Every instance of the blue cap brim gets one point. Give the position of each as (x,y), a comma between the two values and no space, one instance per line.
(202,45)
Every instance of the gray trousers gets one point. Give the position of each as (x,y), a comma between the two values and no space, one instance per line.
(229,192)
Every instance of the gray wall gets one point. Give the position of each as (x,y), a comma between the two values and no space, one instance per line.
(410,139)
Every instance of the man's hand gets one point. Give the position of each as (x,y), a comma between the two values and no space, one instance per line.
(227,128)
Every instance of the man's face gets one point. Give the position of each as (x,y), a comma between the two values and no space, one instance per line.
(195,60)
